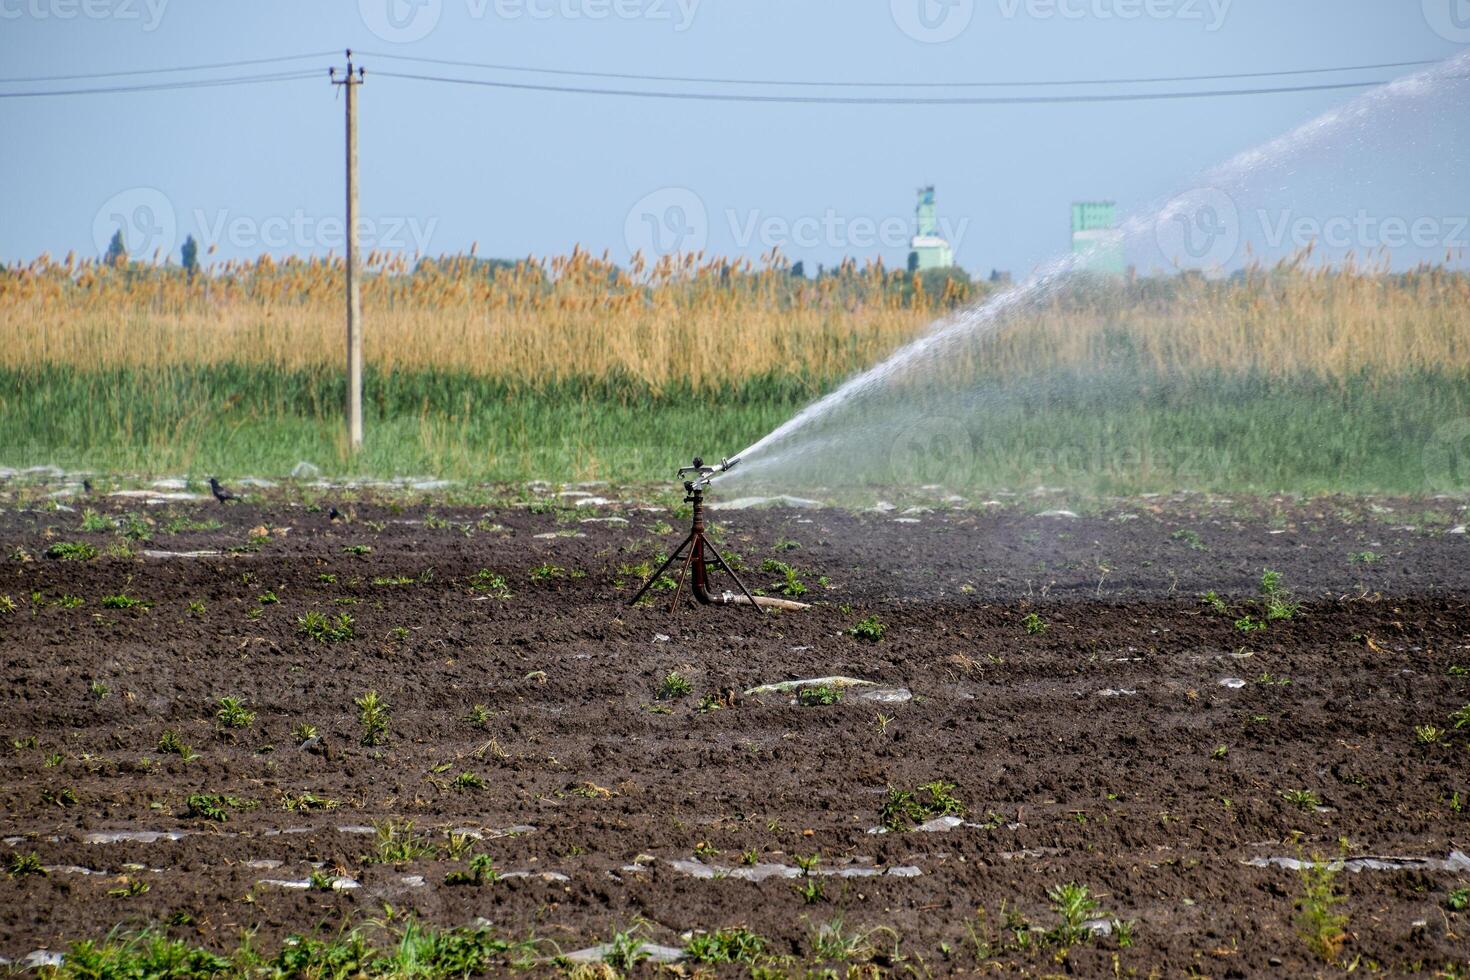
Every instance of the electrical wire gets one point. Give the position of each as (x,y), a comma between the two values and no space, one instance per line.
(162,71)
(881,100)
(622,76)
(168,86)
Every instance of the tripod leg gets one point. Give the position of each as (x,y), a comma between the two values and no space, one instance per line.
(683,573)
(731,572)
(662,568)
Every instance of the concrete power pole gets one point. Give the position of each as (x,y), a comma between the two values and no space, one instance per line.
(349,83)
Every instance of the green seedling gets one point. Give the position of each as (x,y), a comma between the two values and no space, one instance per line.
(735,944)
(1214,602)
(372,717)
(171,743)
(810,697)
(122,601)
(481,871)
(24,866)
(904,809)
(317,626)
(467,781)
(1073,906)
(870,629)
(491,584)
(674,685)
(71,551)
(1302,799)
(1033,624)
(303,732)
(1323,929)
(790,584)
(233,714)
(1456,901)
(396,843)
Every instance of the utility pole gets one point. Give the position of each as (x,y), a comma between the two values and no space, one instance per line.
(349,83)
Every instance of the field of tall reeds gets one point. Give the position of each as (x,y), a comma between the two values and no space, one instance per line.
(576,368)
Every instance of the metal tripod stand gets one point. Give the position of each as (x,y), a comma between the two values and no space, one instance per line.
(696,546)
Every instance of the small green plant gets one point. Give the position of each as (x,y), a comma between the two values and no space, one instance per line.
(122,601)
(1323,929)
(357,549)
(1033,624)
(171,743)
(308,803)
(320,881)
(903,809)
(466,781)
(1461,718)
(372,717)
(1074,906)
(811,891)
(93,521)
(479,716)
(625,950)
(1221,751)
(1456,901)
(822,694)
(491,584)
(1428,734)
(207,806)
(1365,558)
(130,888)
(1276,599)
(194,608)
(481,871)
(24,866)
(790,584)
(734,944)
(71,551)
(870,629)
(7,605)
(317,626)
(1249,624)
(99,690)
(303,732)
(674,685)
(1215,603)
(64,797)
(546,571)
(1189,538)
(1302,799)
(267,598)
(396,843)
(233,714)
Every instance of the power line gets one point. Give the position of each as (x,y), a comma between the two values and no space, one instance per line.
(162,71)
(796,83)
(167,86)
(883,100)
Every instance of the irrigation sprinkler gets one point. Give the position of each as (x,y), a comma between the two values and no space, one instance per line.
(699,553)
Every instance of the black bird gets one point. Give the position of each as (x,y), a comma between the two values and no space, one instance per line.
(220,493)
(86,486)
(334,514)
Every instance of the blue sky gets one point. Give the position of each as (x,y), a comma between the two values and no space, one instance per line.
(259,168)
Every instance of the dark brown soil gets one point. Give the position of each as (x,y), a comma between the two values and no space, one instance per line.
(1103,750)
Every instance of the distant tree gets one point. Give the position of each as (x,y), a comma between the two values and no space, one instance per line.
(117,250)
(189,256)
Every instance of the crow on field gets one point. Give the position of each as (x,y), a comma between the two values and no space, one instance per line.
(220,493)
(334,514)
(86,486)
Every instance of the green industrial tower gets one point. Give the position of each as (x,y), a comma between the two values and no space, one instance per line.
(930,250)
(1096,239)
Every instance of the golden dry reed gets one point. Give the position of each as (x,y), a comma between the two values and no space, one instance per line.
(707,324)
